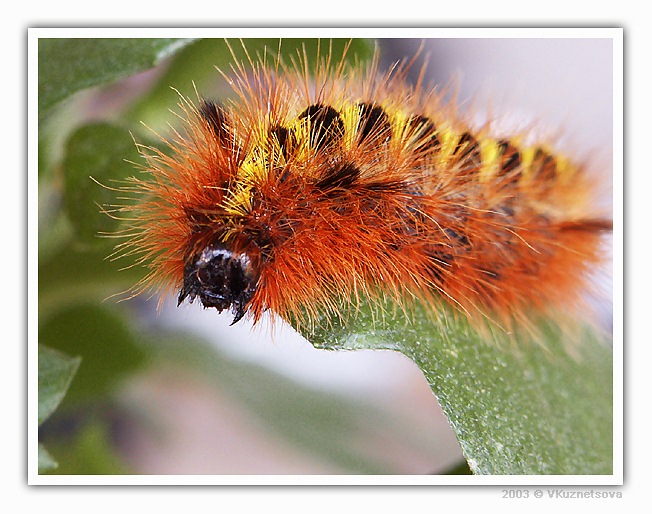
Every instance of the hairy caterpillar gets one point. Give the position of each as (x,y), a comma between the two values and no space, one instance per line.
(314,186)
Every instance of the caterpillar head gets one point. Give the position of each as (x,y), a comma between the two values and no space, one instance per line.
(221,279)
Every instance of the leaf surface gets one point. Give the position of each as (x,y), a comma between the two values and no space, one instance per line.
(68,65)
(540,407)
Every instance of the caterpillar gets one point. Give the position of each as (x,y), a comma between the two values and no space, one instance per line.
(314,188)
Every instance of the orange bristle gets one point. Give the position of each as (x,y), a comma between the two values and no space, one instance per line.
(311,188)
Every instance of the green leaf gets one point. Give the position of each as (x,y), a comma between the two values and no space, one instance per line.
(75,275)
(70,65)
(106,153)
(105,342)
(525,409)
(74,248)
(89,452)
(55,373)
(45,460)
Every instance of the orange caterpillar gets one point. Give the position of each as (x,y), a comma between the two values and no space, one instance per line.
(313,187)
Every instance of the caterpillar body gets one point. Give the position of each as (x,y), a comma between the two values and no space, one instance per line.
(311,188)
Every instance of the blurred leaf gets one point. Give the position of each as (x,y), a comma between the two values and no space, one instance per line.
(55,373)
(45,460)
(79,435)
(194,69)
(104,341)
(73,254)
(76,275)
(531,409)
(69,65)
(90,452)
(461,468)
(100,151)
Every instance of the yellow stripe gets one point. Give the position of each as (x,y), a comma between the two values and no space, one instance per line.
(527,159)
(448,141)
(267,154)
(350,116)
(490,155)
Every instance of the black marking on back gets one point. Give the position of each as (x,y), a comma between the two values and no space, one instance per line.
(326,127)
(285,139)
(385,186)
(544,166)
(510,157)
(468,149)
(427,131)
(342,176)
(216,117)
(373,121)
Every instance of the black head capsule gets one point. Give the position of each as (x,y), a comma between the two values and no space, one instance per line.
(221,279)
